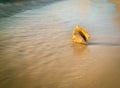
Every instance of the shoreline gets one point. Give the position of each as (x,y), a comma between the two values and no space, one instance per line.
(8,9)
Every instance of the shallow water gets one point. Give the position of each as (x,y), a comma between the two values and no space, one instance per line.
(36,49)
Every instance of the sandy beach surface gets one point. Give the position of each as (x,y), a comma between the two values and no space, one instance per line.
(36,49)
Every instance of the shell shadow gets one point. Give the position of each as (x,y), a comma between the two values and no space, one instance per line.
(103,43)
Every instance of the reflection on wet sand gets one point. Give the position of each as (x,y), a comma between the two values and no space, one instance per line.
(80,50)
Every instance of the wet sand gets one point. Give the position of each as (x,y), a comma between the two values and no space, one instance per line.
(117,5)
(36,49)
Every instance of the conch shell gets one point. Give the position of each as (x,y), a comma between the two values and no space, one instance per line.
(80,35)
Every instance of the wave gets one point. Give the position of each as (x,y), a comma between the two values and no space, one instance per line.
(10,7)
